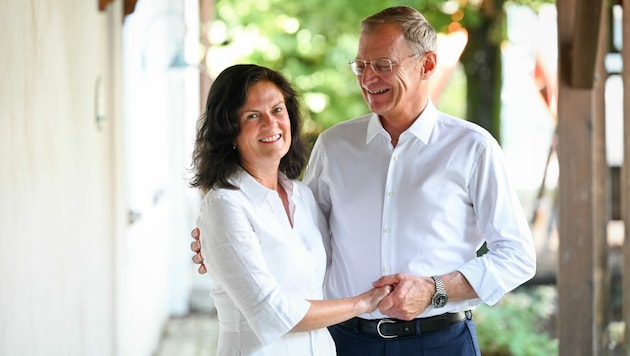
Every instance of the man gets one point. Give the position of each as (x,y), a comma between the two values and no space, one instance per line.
(411,194)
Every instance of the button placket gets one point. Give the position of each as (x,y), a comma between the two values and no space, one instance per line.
(387,256)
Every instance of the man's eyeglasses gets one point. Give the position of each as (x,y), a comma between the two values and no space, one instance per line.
(380,66)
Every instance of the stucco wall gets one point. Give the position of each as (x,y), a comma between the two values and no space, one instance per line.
(88,135)
(59,182)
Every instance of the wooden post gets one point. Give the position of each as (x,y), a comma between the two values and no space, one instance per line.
(601,183)
(586,20)
(576,141)
(625,173)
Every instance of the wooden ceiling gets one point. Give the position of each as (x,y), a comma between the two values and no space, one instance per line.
(128,7)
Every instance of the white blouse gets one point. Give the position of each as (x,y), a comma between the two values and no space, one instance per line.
(263,269)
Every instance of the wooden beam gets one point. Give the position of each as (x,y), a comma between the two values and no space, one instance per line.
(576,209)
(102,4)
(585,42)
(128,6)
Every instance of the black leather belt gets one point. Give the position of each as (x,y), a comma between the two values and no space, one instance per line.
(392,328)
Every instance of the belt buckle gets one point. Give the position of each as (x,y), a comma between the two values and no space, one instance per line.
(378,328)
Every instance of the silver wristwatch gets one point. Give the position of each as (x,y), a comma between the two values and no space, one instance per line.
(440,298)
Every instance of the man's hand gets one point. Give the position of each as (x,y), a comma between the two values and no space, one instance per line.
(410,295)
(195,246)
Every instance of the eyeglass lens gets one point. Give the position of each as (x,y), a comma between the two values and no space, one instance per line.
(380,66)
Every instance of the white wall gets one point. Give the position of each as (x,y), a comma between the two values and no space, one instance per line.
(72,276)
(58,178)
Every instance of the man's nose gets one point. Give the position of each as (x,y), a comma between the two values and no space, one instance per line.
(368,74)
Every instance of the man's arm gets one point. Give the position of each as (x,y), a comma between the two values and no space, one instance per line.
(195,246)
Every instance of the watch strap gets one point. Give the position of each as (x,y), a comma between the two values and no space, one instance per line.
(439,285)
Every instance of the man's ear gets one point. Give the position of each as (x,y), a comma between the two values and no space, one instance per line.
(429,64)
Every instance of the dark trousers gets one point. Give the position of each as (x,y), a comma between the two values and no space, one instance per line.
(455,340)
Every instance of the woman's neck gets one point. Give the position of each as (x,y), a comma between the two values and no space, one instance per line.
(267,177)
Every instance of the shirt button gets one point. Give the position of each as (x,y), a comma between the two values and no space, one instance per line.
(387,230)
(391,194)
(395,158)
(386,268)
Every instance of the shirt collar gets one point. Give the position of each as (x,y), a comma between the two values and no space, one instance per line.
(257,192)
(421,127)
(374,127)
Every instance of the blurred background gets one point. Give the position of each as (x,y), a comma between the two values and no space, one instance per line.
(98,106)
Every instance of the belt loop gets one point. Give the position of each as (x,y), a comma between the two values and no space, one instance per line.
(469,314)
(416,324)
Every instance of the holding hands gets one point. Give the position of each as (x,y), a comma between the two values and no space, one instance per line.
(369,301)
(399,296)
(409,297)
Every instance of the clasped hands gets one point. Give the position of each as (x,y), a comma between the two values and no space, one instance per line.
(409,296)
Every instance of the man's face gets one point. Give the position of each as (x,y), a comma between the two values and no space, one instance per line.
(395,93)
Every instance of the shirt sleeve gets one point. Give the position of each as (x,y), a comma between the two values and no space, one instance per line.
(314,177)
(511,257)
(322,223)
(233,254)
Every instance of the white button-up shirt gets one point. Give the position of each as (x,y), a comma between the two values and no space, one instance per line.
(263,270)
(422,208)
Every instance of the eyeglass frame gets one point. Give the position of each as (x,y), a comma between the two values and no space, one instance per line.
(376,69)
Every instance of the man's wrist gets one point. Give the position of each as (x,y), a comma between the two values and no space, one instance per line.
(440,298)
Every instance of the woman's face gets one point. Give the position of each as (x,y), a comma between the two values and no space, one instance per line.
(265,128)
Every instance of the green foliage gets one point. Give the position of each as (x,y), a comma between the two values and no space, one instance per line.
(312,42)
(533,4)
(519,325)
(451,101)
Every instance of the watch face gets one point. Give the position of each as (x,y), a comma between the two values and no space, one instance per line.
(439,300)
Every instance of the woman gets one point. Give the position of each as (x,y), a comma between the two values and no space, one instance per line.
(262,232)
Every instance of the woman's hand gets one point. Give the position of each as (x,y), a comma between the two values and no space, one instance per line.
(195,246)
(368,301)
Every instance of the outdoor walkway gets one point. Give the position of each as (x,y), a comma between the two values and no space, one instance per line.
(194,334)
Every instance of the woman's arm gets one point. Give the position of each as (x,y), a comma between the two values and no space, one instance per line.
(323,313)
(233,254)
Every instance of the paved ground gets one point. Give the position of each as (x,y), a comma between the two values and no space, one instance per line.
(194,334)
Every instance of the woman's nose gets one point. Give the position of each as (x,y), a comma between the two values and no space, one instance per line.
(269,119)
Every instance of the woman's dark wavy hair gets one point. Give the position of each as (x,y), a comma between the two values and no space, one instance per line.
(214,158)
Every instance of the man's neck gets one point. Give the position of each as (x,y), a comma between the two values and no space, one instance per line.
(397,123)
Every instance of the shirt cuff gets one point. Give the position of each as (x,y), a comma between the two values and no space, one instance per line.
(483,281)
(270,324)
